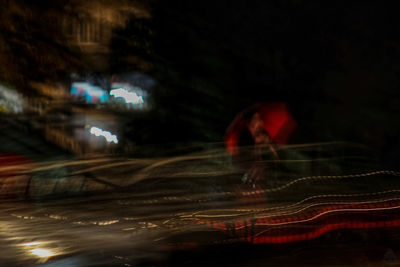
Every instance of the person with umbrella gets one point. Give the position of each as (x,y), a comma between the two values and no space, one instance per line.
(253,137)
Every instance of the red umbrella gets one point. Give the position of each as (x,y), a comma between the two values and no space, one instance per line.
(273,117)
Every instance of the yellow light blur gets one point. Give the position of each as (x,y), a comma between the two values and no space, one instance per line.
(42,253)
(36,248)
(32,243)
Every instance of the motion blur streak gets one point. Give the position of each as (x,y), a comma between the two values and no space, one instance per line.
(129,97)
(315,215)
(331,204)
(243,212)
(260,226)
(135,207)
(358,175)
(106,134)
(324,229)
(43,253)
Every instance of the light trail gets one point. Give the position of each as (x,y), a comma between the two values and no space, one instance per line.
(320,177)
(276,222)
(326,204)
(241,212)
(324,229)
(244,227)
(327,212)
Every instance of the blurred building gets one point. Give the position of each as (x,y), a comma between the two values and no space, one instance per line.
(76,113)
(88,26)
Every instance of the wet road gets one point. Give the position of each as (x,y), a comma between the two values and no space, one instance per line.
(193,210)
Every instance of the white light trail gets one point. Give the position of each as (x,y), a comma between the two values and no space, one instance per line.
(129,97)
(106,134)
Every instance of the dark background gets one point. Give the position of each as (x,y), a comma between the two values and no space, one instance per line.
(336,64)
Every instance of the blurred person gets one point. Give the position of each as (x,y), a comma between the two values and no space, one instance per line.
(251,139)
(255,146)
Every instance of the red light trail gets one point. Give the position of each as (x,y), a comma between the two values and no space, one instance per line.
(312,224)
